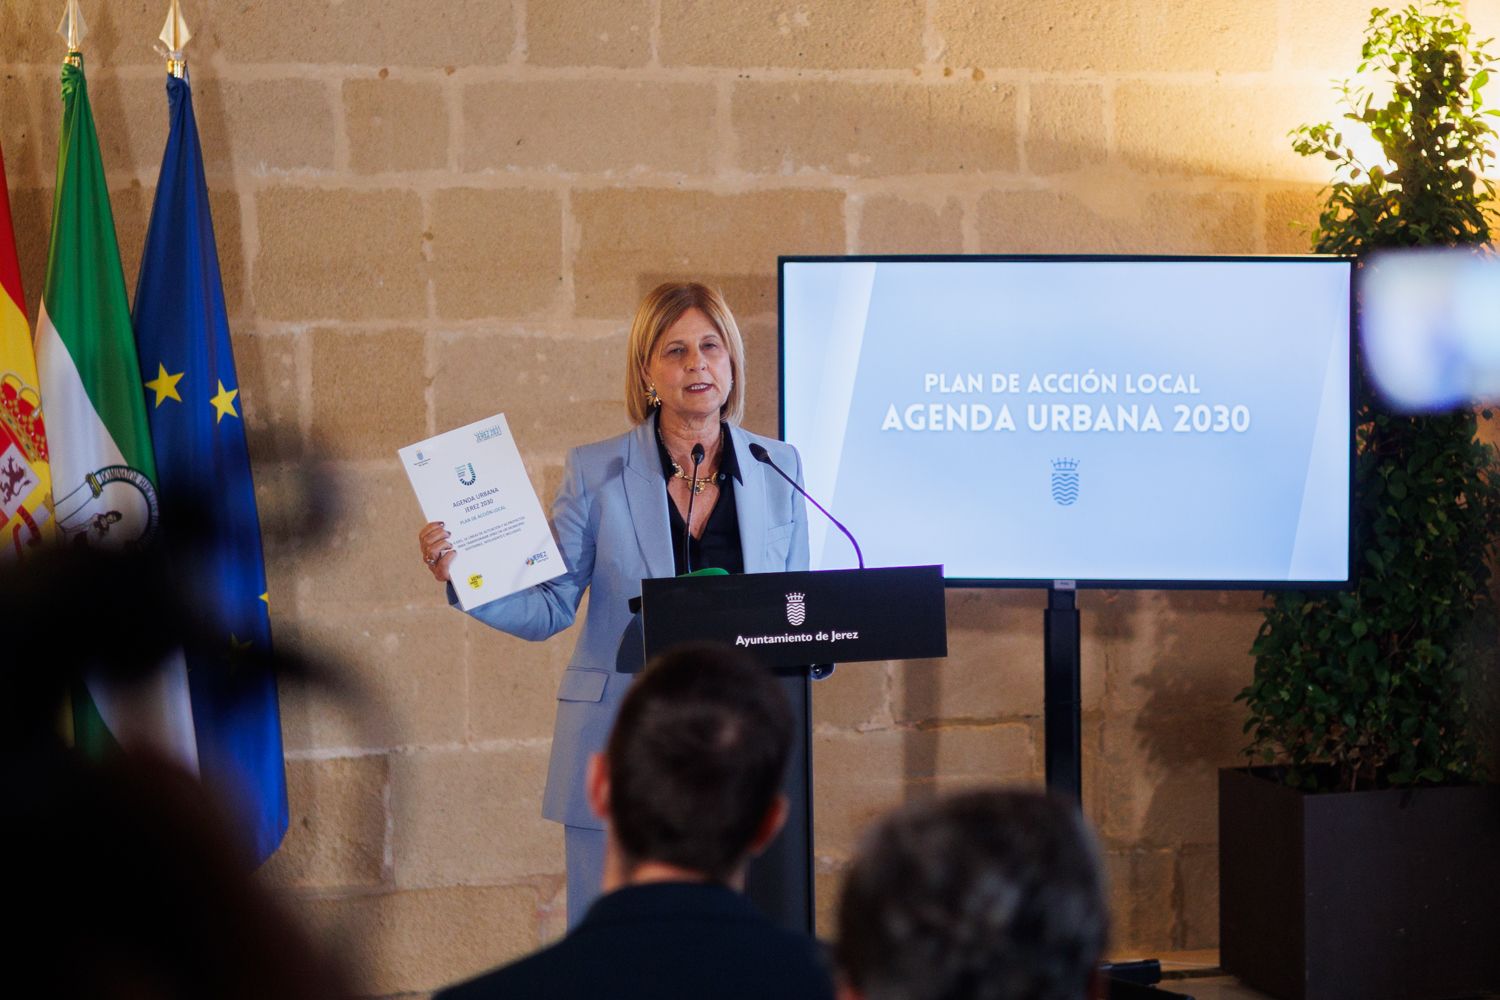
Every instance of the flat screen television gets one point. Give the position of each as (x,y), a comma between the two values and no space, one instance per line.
(1108,421)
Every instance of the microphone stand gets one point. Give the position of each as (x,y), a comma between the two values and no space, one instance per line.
(761,455)
(687,522)
(818,671)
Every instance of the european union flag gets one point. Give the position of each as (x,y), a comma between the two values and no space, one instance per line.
(197,428)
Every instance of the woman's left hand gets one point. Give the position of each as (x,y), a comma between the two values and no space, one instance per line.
(437,553)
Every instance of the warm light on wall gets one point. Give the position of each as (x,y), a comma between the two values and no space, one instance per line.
(1367,152)
(1368,89)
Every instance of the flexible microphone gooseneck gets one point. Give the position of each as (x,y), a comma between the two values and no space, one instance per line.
(687,526)
(759,453)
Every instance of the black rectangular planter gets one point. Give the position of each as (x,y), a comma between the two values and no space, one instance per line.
(1385,895)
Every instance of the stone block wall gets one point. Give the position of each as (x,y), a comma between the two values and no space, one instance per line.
(432,211)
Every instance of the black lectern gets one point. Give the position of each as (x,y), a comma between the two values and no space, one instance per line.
(790,621)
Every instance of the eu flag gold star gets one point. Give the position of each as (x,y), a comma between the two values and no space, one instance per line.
(164,385)
(224,402)
(238,652)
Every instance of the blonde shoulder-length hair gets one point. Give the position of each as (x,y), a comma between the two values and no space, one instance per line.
(662,307)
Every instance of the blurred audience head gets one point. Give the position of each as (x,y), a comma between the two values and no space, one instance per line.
(127,879)
(128,884)
(987,895)
(692,772)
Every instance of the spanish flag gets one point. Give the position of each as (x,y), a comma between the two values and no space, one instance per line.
(25,480)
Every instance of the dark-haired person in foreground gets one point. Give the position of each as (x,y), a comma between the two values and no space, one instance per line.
(689,789)
(987,895)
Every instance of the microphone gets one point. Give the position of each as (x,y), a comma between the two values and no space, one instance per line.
(759,453)
(687,527)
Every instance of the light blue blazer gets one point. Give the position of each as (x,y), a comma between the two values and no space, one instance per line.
(611,522)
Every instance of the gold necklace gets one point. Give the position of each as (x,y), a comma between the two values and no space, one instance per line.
(697,483)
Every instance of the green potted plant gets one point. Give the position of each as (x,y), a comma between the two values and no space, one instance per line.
(1360,858)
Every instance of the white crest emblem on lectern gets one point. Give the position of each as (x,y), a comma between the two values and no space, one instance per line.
(796,608)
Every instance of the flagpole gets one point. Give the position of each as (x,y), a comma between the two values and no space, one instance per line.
(73,29)
(174,37)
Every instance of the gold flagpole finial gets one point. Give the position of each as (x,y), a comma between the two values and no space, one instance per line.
(175,36)
(72,28)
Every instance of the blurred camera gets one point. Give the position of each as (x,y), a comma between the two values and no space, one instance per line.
(1430,326)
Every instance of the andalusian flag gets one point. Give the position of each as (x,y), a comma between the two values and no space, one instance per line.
(103,474)
(197,427)
(25,482)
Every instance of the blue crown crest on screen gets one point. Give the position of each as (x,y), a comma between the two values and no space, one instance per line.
(1065,481)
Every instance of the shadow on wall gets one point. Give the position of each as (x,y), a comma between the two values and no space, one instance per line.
(1188,726)
(974,716)
(1194,671)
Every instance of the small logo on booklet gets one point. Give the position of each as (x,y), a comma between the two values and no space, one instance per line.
(466,474)
(796,608)
(1065,481)
(535,558)
(476,580)
(493,431)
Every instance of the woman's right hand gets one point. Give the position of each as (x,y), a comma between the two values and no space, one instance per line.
(436,552)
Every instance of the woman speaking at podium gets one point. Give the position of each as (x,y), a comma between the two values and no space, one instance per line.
(622,514)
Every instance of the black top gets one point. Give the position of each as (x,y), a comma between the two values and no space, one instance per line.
(719,544)
(662,941)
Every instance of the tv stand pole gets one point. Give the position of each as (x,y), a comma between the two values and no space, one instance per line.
(1062,714)
(1062,733)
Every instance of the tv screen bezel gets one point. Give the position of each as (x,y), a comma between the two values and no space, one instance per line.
(1351,568)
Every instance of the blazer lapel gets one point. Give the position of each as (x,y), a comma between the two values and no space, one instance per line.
(646,493)
(750,503)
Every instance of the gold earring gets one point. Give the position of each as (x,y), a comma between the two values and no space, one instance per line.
(653,398)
